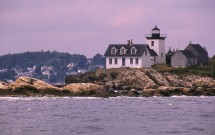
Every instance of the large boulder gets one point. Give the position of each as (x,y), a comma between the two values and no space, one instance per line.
(31,87)
(163,91)
(170,91)
(86,89)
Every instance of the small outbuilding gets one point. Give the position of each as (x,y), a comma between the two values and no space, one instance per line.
(199,52)
(183,58)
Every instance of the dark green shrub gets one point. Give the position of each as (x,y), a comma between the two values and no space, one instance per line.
(114,74)
(102,76)
(85,79)
(71,79)
(91,76)
(180,70)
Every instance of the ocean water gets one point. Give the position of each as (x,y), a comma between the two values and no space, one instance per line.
(107,116)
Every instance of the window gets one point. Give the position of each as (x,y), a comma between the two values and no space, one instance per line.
(136,60)
(110,61)
(131,61)
(115,60)
(161,55)
(113,51)
(133,51)
(123,51)
(152,43)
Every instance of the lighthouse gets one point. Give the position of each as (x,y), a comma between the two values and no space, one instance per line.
(156,41)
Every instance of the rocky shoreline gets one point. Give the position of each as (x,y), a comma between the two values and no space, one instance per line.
(120,82)
(152,83)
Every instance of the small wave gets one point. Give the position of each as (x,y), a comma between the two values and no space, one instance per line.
(127,97)
(88,98)
(10,98)
(30,98)
(182,96)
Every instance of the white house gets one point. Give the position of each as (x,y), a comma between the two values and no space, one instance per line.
(137,55)
(129,55)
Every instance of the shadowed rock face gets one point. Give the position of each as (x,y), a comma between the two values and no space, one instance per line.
(5,89)
(4,86)
(178,91)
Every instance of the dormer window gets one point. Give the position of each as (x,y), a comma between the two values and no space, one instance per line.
(123,50)
(133,50)
(113,50)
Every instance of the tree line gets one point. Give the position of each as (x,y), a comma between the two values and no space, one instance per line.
(58,60)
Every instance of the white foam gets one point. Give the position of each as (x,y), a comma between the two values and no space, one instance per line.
(29,98)
(169,104)
(182,96)
(88,98)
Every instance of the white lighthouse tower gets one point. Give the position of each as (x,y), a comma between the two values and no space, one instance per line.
(156,41)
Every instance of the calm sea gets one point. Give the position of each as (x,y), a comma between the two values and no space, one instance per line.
(107,116)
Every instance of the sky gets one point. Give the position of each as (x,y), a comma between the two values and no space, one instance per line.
(88,26)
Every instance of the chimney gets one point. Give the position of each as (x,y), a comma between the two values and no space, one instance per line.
(129,42)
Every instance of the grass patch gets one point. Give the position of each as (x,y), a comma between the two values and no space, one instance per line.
(162,67)
(202,70)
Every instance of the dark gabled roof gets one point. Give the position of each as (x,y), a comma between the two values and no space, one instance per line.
(140,49)
(152,52)
(188,54)
(198,48)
